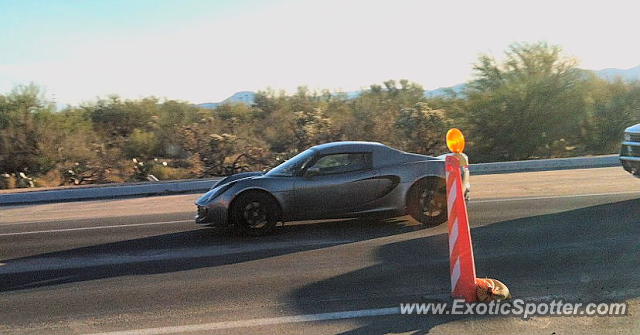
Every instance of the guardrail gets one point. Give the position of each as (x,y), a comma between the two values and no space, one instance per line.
(112,191)
(108,191)
(545,164)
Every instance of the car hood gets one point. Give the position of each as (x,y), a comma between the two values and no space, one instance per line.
(235,177)
(633,129)
(224,184)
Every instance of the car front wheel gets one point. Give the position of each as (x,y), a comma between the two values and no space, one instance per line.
(255,213)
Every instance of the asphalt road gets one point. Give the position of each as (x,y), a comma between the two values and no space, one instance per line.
(119,271)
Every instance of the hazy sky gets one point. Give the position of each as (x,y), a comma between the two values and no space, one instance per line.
(204,51)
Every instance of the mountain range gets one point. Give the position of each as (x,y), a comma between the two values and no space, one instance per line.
(612,74)
(248,97)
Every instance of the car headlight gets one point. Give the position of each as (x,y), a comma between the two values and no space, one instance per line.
(627,137)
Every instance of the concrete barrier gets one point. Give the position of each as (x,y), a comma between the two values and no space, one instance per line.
(545,165)
(113,191)
(109,191)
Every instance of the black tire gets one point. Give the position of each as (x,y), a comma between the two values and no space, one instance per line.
(255,213)
(427,202)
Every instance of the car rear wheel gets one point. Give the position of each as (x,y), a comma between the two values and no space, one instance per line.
(427,202)
(255,213)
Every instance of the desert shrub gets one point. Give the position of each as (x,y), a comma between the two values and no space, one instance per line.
(170,173)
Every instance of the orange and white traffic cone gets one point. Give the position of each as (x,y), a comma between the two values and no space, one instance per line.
(462,265)
(464,283)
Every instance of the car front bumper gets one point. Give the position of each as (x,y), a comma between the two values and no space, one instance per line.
(630,157)
(211,215)
(631,165)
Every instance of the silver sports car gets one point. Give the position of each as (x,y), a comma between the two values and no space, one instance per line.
(330,181)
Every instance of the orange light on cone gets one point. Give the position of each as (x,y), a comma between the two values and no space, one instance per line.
(455,140)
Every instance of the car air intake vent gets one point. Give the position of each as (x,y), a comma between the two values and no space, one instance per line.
(634,137)
(630,150)
(202,211)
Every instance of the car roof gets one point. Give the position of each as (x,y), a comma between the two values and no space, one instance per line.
(349,146)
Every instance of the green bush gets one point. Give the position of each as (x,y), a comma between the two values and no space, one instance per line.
(141,144)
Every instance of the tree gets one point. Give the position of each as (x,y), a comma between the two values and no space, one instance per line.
(613,107)
(116,119)
(311,127)
(422,129)
(374,111)
(20,130)
(518,108)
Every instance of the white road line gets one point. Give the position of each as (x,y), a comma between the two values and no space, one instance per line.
(182,221)
(555,197)
(92,228)
(63,219)
(259,322)
(305,318)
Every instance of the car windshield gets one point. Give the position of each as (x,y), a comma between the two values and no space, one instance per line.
(291,166)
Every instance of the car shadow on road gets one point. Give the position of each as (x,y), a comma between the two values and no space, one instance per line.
(589,254)
(187,250)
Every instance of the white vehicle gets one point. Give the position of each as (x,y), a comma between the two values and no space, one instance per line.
(630,150)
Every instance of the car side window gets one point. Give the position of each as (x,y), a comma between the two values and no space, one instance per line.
(341,163)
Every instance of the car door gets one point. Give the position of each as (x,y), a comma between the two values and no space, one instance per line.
(335,184)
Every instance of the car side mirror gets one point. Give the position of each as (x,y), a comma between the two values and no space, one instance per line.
(312,171)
